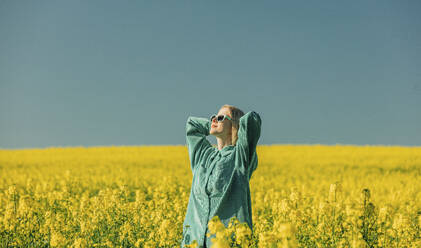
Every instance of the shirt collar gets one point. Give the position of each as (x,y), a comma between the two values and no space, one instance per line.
(226,150)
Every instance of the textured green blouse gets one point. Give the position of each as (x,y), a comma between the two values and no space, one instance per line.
(220,184)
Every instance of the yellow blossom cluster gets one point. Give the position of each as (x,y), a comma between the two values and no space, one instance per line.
(302,196)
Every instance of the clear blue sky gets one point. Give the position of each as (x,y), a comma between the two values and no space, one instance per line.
(102,73)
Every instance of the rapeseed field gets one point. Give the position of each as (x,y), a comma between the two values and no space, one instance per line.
(127,196)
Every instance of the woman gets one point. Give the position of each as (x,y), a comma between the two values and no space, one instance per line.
(221,174)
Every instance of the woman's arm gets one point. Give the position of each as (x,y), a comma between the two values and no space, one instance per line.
(248,135)
(196,131)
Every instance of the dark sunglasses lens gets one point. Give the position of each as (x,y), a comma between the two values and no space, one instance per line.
(220,117)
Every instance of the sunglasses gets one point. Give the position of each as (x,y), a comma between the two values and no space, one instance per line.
(220,118)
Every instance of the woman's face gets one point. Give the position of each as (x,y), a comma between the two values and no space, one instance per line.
(221,129)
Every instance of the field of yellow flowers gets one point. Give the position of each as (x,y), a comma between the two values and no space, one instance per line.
(302,196)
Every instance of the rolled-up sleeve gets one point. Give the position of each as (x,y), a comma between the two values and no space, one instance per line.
(197,129)
(248,136)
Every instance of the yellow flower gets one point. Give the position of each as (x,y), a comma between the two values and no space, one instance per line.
(57,239)
(220,243)
(193,244)
(383,213)
(78,243)
(215,225)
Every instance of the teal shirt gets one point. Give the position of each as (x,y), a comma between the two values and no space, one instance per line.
(220,184)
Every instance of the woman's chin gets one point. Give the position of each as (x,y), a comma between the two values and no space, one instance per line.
(213,133)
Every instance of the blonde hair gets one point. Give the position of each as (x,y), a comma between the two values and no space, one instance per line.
(236,114)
